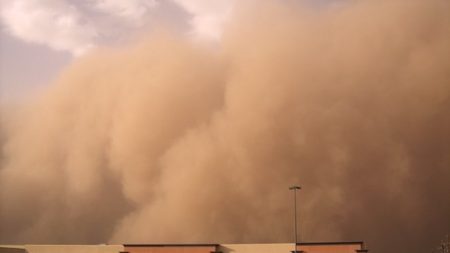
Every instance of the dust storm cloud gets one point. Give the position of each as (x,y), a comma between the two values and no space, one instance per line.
(169,140)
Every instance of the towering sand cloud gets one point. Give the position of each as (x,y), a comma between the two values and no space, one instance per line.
(172,141)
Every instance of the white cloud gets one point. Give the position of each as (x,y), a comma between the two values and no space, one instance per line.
(70,26)
(57,24)
(208,16)
(133,10)
(78,25)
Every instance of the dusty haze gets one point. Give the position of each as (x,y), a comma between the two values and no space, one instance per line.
(169,140)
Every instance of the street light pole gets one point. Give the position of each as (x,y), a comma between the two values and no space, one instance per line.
(295,188)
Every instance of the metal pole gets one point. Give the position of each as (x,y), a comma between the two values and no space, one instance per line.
(295,218)
(295,188)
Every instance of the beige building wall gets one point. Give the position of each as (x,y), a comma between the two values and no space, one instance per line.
(288,247)
(12,249)
(257,248)
(74,248)
(339,247)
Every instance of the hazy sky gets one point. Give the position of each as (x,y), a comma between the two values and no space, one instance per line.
(39,37)
(348,98)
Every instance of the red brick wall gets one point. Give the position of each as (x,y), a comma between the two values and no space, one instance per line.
(169,249)
(330,248)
